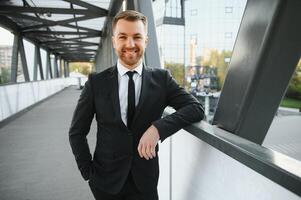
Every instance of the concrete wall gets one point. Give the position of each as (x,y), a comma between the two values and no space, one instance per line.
(16,97)
(200,171)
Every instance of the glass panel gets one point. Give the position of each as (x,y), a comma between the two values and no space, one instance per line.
(29,52)
(20,74)
(204,45)
(6,50)
(284,133)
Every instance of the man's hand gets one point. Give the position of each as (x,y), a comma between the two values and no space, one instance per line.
(148,142)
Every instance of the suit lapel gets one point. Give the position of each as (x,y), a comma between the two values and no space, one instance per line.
(114,93)
(146,78)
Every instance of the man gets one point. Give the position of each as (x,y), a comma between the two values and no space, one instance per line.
(128,100)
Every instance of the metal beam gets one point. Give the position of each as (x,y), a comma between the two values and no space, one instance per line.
(23,59)
(49,73)
(90,7)
(40,62)
(83,51)
(9,24)
(35,64)
(56,69)
(45,10)
(55,24)
(98,33)
(76,39)
(264,58)
(14,63)
(46,22)
(80,43)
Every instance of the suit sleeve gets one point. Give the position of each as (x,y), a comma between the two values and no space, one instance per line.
(80,127)
(188,110)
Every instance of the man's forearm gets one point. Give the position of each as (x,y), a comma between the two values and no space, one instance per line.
(182,117)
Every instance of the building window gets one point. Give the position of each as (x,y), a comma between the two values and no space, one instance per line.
(228,35)
(194,12)
(228,9)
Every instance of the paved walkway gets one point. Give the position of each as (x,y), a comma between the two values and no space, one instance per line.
(36,158)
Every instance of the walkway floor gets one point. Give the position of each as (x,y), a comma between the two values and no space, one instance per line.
(36,158)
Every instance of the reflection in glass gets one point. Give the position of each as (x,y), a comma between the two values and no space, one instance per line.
(203,47)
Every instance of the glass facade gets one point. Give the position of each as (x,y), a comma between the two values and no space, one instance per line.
(203,46)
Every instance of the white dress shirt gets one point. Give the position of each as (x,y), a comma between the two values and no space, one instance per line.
(123,80)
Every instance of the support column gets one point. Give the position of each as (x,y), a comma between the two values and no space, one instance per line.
(56,71)
(49,74)
(106,56)
(40,62)
(14,63)
(68,72)
(35,64)
(152,57)
(65,69)
(23,59)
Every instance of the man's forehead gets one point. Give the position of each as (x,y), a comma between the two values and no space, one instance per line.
(130,27)
(125,33)
(123,22)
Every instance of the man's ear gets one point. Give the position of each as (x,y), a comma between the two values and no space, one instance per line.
(113,41)
(146,41)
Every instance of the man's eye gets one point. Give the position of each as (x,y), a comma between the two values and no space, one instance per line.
(137,37)
(122,37)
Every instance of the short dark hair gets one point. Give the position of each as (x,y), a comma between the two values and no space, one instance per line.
(129,15)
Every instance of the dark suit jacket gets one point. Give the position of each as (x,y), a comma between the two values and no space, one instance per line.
(116,152)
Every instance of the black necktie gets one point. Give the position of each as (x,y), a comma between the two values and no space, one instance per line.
(131,99)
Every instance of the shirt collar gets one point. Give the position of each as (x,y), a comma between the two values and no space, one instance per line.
(122,69)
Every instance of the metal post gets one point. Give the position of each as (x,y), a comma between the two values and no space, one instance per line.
(40,62)
(49,73)
(56,71)
(35,64)
(23,59)
(14,63)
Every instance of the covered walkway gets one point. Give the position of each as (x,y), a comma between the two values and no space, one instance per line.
(227,159)
(36,158)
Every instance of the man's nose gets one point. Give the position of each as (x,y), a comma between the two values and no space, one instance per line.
(130,42)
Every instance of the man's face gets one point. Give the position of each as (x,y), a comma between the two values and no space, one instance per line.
(129,41)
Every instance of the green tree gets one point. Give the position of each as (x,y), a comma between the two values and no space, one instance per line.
(4,75)
(81,67)
(217,59)
(294,86)
(177,71)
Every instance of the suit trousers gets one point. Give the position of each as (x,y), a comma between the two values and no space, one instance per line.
(128,192)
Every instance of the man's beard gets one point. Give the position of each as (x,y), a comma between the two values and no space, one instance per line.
(130,57)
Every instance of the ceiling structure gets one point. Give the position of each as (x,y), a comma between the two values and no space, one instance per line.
(70,29)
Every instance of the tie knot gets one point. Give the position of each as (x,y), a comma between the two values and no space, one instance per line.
(130,74)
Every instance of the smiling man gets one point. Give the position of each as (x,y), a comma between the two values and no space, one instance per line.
(127,101)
